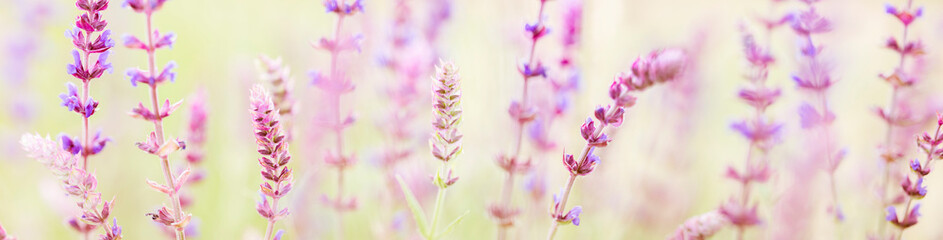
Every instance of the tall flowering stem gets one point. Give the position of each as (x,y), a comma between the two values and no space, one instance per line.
(522,113)
(446,144)
(814,77)
(62,159)
(915,190)
(156,144)
(335,85)
(758,129)
(892,115)
(86,44)
(79,184)
(658,67)
(273,145)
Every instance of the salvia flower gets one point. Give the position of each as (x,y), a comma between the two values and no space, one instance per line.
(77,183)
(446,143)
(915,190)
(336,84)
(897,114)
(815,77)
(647,71)
(156,143)
(523,112)
(275,156)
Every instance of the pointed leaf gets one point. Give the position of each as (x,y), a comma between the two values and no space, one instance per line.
(451,227)
(418,214)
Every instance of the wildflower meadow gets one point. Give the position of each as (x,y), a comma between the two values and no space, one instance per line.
(460,119)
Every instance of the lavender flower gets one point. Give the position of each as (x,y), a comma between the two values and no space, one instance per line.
(156,143)
(446,144)
(77,183)
(273,146)
(658,67)
(896,115)
(814,77)
(335,85)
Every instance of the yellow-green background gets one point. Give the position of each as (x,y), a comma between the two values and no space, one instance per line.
(636,193)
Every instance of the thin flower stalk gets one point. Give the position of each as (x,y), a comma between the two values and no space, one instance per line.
(658,67)
(156,143)
(814,76)
(336,84)
(895,115)
(915,190)
(522,113)
(62,158)
(78,184)
(273,146)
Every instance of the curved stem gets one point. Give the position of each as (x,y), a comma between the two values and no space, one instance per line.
(569,184)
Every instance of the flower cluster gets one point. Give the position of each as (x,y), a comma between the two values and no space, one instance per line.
(814,77)
(77,183)
(273,146)
(915,190)
(156,143)
(658,67)
(447,99)
(278,78)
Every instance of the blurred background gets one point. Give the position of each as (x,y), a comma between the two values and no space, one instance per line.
(666,164)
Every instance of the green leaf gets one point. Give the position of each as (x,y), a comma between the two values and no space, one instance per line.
(451,227)
(418,214)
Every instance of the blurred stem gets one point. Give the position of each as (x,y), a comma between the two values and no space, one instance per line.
(439,200)
(338,128)
(888,137)
(159,129)
(85,96)
(508,191)
(270,228)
